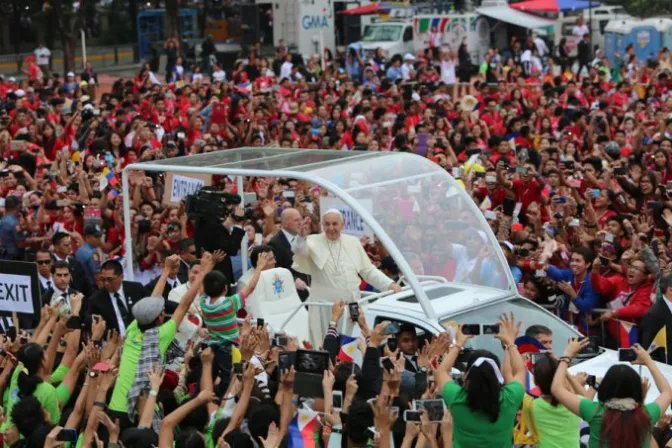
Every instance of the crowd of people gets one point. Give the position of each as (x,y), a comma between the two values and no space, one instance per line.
(569,161)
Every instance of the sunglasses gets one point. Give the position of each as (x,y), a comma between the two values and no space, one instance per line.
(44,262)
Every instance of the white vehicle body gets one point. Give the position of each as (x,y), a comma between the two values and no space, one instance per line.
(394,36)
(421,215)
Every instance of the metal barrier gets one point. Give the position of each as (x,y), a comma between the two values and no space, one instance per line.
(100,57)
(595,311)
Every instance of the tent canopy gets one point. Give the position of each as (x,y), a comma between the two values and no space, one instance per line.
(515,17)
(554,6)
(373,8)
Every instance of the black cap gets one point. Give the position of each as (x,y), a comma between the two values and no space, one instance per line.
(12,202)
(93,230)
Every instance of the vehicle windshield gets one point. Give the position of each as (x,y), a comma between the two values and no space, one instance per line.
(427,214)
(524,311)
(382,33)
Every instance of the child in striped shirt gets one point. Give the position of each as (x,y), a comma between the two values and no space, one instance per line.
(219,314)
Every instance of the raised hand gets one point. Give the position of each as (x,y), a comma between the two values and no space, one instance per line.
(508,329)
(156,377)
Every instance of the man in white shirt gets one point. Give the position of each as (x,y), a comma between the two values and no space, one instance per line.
(407,67)
(580,28)
(61,286)
(542,48)
(188,329)
(286,67)
(218,75)
(42,56)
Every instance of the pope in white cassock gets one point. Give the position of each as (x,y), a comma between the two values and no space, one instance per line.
(335,262)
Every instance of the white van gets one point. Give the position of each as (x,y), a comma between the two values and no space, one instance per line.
(395,37)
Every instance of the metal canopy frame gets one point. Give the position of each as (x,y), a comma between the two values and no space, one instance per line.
(261,166)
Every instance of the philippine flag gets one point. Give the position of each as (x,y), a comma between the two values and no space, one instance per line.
(627,334)
(349,351)
(245,88)
(530,387)
(302,429)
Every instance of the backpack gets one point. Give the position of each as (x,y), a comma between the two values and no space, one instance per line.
(525,432)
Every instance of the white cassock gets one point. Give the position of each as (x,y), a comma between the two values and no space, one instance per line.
(333,266)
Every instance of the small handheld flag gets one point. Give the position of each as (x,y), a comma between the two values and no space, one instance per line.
(660,341)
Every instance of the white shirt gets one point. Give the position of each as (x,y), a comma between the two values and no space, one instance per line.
(219,76)
(668,303)
(542,48)
(44,281)
(117,312)
(289,236)
(406,71)
(42,55)
(286,70)
(434,40)
(173,282)
(448,71)
(579,31)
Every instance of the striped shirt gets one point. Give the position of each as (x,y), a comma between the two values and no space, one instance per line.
(220,317)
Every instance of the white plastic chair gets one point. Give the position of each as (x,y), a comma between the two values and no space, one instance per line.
(275,299)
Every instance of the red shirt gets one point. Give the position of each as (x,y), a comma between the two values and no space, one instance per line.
(527,193)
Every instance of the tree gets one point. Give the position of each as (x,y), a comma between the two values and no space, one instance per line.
(68,21)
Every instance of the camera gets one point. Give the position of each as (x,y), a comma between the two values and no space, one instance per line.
(208,202)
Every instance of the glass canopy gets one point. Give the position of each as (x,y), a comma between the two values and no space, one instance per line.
(426,214)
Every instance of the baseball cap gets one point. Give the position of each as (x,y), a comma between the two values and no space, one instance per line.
(71,74)
(148,309)
(93,230)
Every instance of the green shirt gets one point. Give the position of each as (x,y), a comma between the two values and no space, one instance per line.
(474,429)
(592,412)
(130,358)
(59,374)
(45,394)
(556,426)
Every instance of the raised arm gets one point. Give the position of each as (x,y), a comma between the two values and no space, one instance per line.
(508,331)
(262,262)
(443,376)
(155,380)
(567,398)
(208,261)
(644,359)
(168,425)
(241,407)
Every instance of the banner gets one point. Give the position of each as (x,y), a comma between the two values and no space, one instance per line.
(180,185)
(19,288)
(353,223)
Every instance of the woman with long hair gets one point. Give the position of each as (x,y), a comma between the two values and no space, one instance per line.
(28,380)
(485,408)
(553,424)
(619,418)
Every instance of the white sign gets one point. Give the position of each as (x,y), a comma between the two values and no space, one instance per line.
(16,293)
(183,186)
(354,224)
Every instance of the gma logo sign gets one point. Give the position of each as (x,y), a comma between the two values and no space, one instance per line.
(314,22)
